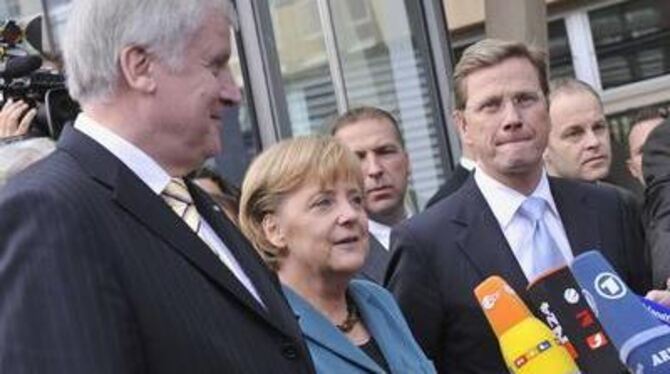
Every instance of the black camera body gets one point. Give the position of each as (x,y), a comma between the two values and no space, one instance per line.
(45,91)
(22,79)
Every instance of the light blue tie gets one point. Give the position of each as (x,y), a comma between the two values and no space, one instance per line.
(546,254)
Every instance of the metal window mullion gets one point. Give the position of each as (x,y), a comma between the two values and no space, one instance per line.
(265,78)
(582,48)
(443,67)
(333,55)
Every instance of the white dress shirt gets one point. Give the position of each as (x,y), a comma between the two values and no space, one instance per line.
(157,179)
(381,232)
(468,164)
(505,202)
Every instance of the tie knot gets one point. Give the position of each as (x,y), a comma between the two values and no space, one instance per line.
(177,190)
(533,208)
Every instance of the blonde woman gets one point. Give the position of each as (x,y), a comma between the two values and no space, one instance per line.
(301,206)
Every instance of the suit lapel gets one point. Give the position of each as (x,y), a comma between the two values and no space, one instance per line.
(148,208)
(482,241)
(263,279)
(387,333)
(374,267)
(321,331)
(135,197)
(579,217)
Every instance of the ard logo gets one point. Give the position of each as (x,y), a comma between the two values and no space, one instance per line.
(661,357)
(609,286)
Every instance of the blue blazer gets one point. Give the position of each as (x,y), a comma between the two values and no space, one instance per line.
(332,352)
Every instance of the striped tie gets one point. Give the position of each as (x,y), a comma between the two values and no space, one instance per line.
(177,197)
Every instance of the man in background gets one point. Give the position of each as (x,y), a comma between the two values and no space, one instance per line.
(643,124)
(113,262)
(374,136)
(656,171)
(579,141)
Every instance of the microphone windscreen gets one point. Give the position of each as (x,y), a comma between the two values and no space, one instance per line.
(642,341)
(527,345)
(559,301)
(20,66)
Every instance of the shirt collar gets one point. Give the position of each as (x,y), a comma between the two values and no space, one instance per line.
(130,155)
(468,164)
(381,232)
(505,201)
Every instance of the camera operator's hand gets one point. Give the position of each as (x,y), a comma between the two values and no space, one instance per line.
(15,118)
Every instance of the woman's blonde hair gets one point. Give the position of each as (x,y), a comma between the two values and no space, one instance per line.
(282,169)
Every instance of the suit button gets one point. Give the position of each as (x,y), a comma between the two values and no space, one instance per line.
(289,351)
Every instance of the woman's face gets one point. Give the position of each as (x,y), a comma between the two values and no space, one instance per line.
(324,229)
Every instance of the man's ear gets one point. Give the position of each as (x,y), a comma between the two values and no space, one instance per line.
(273,232)
(137,68)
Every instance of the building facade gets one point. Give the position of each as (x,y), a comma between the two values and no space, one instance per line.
(307,60)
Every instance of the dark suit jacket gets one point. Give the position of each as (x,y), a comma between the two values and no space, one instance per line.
(375,264)
(98,275)
(443,253)
(656,170)
(453,183)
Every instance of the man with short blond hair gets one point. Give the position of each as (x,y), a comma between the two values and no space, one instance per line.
(489,226)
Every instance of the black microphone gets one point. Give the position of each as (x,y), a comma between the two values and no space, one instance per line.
(561,304)
(20,66)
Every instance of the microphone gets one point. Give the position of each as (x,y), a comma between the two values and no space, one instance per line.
(527,345)
(20,66)
(643,342)
(559,300)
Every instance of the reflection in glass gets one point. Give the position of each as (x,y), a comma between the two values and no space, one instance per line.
(632,41)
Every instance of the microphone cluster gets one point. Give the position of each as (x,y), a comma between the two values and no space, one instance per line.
(589,322)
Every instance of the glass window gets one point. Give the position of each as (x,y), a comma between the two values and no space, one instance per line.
(560,57)
(632,41)
(384,61)
(304,65)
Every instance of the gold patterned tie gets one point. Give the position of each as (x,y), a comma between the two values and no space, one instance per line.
(177,197)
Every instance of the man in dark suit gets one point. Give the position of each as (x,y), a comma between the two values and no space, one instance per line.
(580,148)
(656,170)
(111,261)
(485,228)
(374,135)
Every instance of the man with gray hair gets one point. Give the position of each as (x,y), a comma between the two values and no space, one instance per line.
(112,262)
(508,219)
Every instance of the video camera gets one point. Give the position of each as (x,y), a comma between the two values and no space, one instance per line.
(21,78)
